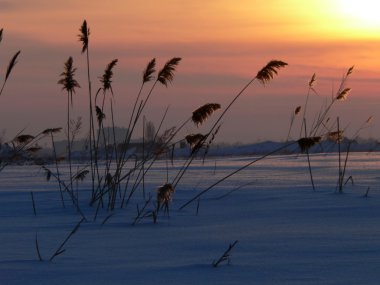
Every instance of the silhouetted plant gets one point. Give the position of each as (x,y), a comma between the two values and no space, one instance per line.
(321,128)
(164,197)
(60,249)
(295,113)
(51,132)
(264,76)
(69,84)
(84,38)
(339,139)
(11,65)
(201,114)
(226,256)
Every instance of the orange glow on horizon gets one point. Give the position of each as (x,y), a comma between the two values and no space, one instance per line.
(223,44)
(151,21)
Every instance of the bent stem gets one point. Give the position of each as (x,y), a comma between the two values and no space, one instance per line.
(235,172)
(60,249)
(264,76)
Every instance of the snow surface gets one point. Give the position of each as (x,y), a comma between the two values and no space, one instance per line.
(286,232)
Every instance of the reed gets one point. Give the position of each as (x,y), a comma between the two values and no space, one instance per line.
(67,188)
(69,84)
(12,63)
(304,143)
(23,146)
(84,38)
(50,132)
(164,77)
(201,114)
(61,249)
(295,113)
(320,128)
(106,82)
(252,162)
(226,256)
(264,76)
(338,138)
(341,95)
(164,197)
(310,91)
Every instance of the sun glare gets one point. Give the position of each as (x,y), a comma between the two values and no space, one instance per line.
(362,14)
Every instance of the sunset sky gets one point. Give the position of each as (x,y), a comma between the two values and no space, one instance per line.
(223,44)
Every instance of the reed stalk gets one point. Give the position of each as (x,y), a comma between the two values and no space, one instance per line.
(264,76)
(69,84)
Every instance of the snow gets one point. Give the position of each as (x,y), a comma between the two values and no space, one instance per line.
(286,232)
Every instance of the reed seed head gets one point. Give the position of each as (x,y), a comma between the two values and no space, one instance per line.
(195,141)
(12,64)
(149,70)
(166,74)
(312,81)
(369,120)
(51,131)
(84,36)
(24,139)
(350,70)
(81,175)
(201,114)
(269,71)
(165,194)
(34,149)
(306,143)
(343,94)
(297,110)
(335,136)
(99,115)
(106,79)
(67,80)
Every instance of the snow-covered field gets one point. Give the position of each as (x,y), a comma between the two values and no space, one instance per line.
(286,232)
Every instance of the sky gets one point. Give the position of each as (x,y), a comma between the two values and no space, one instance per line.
(223,44)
